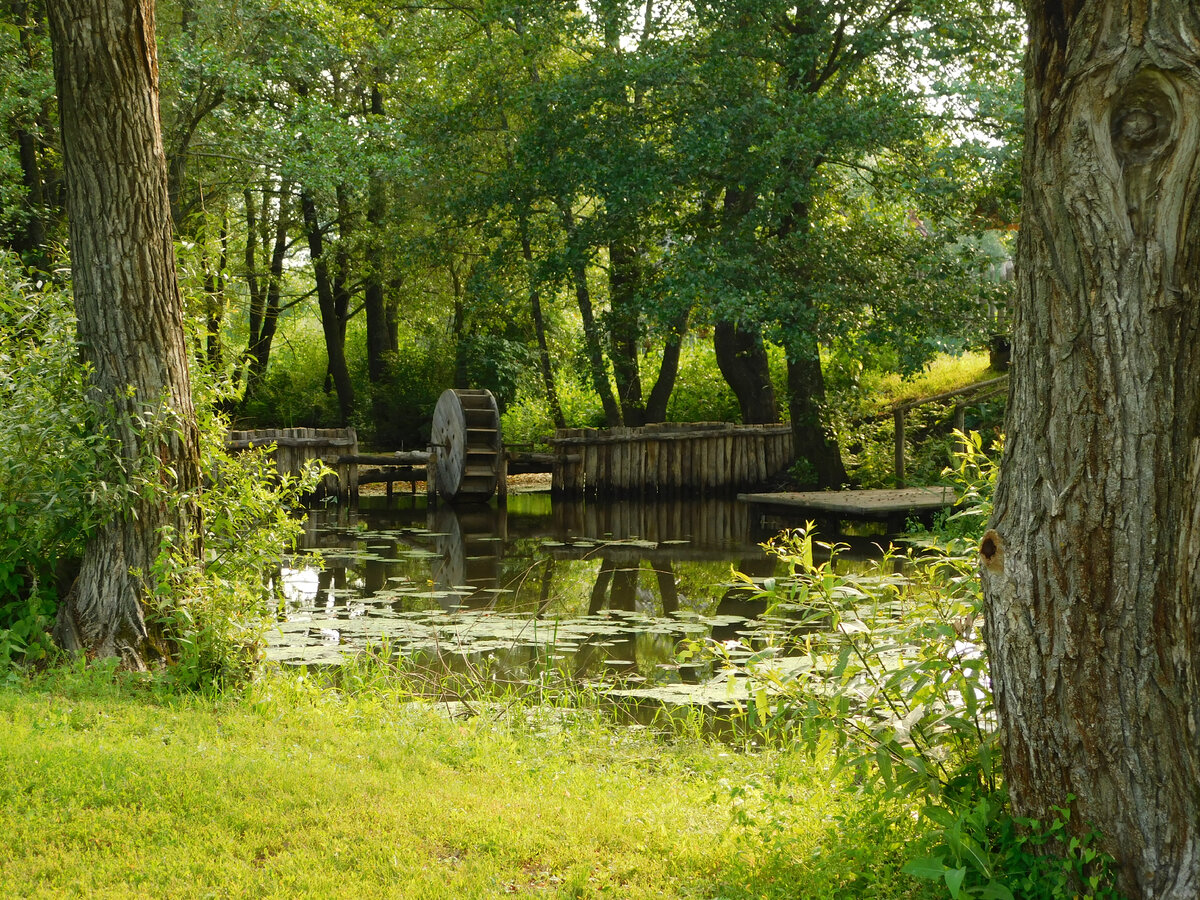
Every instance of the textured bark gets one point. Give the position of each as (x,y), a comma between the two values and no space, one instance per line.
(1092,569)
(812,439)
(742,359)
(127,302)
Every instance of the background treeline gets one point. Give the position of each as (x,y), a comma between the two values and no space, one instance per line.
(606,212)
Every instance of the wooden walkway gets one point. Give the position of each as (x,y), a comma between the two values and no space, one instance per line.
(877,504)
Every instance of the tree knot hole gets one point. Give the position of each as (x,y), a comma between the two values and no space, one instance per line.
(991,548)
(1143,119)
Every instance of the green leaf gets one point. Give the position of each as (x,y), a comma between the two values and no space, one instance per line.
(994,890)
(930,868)
(954,880)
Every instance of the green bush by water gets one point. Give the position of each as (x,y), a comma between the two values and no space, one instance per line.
(892,675)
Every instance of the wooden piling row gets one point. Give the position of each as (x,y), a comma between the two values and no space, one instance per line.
(700,459)
(296,449)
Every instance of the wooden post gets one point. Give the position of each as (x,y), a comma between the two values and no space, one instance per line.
(960,425)
(352,486)
(899,414)
(502,480)
(431,479)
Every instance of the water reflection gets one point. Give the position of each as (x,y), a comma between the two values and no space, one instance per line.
(598,591)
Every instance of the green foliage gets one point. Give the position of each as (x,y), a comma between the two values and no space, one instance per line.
(892,666)
(402,402)
(528,421)
(210,617)
(891,673)
(57,478)
(61,476)
(983,851)
(701,393)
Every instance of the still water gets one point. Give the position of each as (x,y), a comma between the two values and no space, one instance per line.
(599,592)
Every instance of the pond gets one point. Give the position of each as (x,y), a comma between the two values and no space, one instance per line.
(596,592)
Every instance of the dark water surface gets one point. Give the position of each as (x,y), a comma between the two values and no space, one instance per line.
(598,591)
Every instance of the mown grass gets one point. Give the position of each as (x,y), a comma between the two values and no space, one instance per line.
(109,788)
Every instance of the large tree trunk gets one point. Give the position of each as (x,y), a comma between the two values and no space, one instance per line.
(128,306)
(742,359)
(812,438)
(1092,569)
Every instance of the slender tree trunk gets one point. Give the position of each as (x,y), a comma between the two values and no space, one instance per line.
(378,339)
(31,241)
(263,337)
(742,359)
(539,328)
(331,323)
(591,331)
(1092,569)
(128,306)
(214,299)
(668,371)
(624,278)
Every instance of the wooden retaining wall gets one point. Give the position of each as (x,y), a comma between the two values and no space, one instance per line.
(298,448)
(698,459)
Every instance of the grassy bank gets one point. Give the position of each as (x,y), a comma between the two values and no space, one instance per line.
(111,789)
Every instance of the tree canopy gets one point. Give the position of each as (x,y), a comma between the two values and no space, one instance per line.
(544,197)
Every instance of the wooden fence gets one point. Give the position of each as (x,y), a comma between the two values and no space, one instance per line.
(296,449)
(699,459)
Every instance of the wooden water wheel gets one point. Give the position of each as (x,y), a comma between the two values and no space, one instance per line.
(466,436)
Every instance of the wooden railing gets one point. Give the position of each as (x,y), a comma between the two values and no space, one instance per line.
(976,392)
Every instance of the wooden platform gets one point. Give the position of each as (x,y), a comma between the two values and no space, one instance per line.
(877,504)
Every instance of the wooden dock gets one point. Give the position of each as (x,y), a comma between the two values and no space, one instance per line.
(874,504)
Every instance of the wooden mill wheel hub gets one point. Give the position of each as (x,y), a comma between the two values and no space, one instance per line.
(466,436)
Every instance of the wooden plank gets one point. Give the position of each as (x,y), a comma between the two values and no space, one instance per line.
(870,504)
(650,473)
(352,487)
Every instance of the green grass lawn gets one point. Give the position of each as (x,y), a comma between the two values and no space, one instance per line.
(112,789)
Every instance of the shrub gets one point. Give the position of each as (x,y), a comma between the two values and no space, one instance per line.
(56,476)
(60,478)
(209,617)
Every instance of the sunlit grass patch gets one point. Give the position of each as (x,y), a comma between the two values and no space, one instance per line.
(295,790)
(944,373)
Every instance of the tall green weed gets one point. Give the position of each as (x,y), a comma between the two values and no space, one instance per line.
(888,667)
